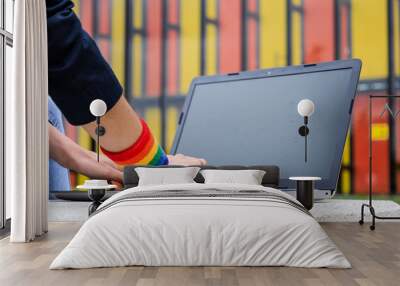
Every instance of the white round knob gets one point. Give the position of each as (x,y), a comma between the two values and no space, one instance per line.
(98,107)
(305,107)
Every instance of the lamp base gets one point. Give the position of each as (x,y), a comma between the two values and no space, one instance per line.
(304,131)
(100,130)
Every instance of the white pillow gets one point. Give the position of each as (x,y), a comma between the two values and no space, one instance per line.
(163,176)
(248,177)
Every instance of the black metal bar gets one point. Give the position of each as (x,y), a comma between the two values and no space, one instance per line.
(164,67)
(289,31)
(137,31)
(338,30)
(211,21)
(391,91)
(349,30)
(247,16)
(95,19)
(252,15)
(103,37)
(346,168)
(204,21)
(375,85)
(174,27)
(384,96)
(244,27)
(128,49)
(297,8)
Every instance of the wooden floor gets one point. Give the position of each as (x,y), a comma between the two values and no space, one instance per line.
(375,257)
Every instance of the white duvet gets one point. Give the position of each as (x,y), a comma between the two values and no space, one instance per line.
(202,231)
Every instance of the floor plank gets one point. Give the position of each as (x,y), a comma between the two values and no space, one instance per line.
(374,255)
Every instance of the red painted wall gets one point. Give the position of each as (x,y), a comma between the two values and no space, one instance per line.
(153,62)
(86,15)
(229,36)
(319,31)
(172,49)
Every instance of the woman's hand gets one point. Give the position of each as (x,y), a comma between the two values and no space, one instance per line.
(180,159)
(105,160)
(72,156)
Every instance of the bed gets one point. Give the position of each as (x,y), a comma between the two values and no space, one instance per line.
(197,224)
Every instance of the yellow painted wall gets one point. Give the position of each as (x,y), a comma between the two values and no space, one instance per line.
(369,23)
(118,39)
(189,44)
(153,117)
(211,39)
(76,8)
(172,123)
(272,33)
(137,53)
(346,177)
(297,56)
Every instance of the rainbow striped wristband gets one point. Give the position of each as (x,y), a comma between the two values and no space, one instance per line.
(145,151)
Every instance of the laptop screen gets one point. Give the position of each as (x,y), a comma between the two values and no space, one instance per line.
(254,121)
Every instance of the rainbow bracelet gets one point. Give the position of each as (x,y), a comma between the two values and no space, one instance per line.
(145,151)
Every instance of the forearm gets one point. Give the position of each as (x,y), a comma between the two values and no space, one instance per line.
(122,126)
(70,155)
(123,130)
(61,149)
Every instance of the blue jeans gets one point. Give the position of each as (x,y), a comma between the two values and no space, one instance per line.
(58,175)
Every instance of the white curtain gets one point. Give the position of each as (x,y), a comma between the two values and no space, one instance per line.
(26,123)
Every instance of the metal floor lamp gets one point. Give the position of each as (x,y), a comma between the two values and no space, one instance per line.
(369,204)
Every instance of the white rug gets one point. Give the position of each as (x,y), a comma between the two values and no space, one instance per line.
(323,211)
(67,211)
(350,210)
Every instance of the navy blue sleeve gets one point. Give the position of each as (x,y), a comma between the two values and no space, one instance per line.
(78,72)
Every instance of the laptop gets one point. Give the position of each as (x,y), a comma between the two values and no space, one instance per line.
(251,118)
